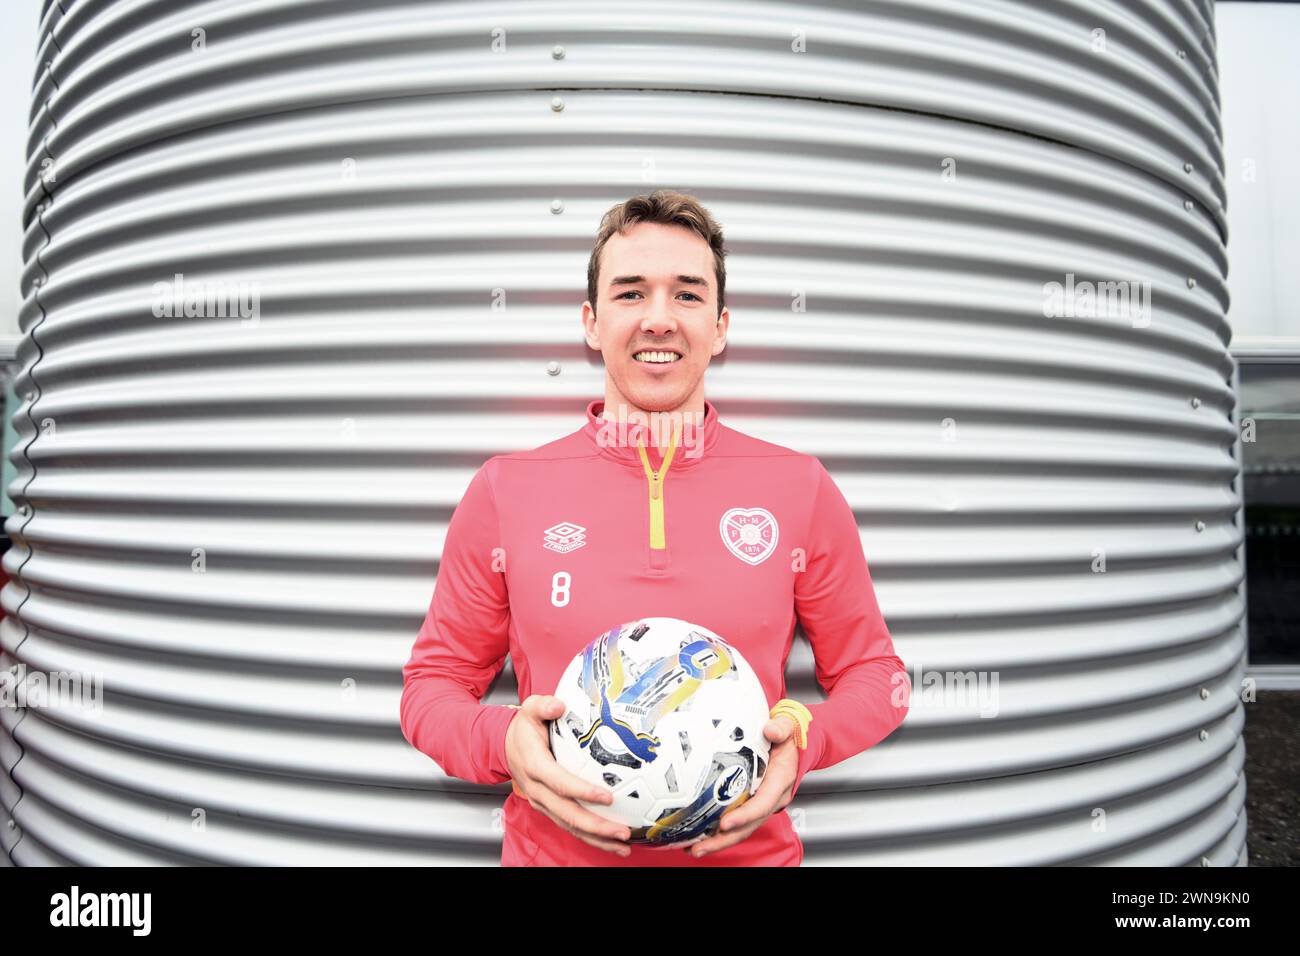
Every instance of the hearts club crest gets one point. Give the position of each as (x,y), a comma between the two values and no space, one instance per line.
(749,533)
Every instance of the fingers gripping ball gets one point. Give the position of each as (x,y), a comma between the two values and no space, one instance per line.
(668,716)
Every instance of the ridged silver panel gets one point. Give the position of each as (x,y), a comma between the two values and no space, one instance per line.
(1143,89)
(380,173)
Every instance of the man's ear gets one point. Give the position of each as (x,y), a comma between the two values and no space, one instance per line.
(720,331)
(589,329)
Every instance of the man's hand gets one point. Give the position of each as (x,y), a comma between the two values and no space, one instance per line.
(773,794)
(550,788)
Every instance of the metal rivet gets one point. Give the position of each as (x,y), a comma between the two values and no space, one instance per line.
(1188,205)
(1187,167)
(1205,735)
(557,104)
(1196,403)
(1191,283)
(1200,526)
(557,206)
(37,282)
(552,368)
(1182,54)
(557,52)
(12,825)
(30,396)
(1205,861)
(1205,693)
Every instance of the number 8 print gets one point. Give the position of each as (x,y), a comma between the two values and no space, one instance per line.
(560,588)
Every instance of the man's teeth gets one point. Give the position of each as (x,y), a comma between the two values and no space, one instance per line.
(656,356)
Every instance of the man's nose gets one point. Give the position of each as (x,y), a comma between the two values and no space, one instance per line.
(658,315)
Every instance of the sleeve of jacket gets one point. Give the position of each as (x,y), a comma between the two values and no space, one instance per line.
(868,689)
(461,648)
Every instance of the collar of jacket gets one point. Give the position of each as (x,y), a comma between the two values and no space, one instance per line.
(619,440)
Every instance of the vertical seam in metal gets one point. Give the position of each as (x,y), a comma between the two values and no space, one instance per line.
(30,396)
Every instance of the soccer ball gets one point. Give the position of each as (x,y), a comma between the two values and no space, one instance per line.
(668,716)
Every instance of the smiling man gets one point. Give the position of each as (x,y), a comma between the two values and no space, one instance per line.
(651,508)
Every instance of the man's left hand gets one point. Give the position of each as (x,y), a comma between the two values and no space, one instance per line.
(773,793)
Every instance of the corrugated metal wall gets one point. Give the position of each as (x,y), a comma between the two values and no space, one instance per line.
(235,521)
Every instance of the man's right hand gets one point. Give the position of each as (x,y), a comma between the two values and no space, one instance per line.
(550,788)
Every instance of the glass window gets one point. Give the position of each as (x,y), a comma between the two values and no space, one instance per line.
(1269,417)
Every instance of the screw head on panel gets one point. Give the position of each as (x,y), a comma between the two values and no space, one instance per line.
(1205,735)
(552,368)
(1200,526)
(1187,167)
(557,104)
(557,206)
(1196,403)
(557,52)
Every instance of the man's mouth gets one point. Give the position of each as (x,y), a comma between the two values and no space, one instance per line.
(657,358)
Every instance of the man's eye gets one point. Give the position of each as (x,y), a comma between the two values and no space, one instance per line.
(634,292)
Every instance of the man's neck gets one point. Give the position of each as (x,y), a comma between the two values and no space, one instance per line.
(663,423)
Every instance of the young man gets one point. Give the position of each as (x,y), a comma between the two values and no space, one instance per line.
(652,508)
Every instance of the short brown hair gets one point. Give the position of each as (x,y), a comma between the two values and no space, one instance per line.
(665,206)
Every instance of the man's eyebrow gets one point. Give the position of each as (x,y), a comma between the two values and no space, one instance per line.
(639,280)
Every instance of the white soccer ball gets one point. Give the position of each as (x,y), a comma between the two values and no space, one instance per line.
(668,716)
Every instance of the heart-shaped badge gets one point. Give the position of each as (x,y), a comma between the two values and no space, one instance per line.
(749,533)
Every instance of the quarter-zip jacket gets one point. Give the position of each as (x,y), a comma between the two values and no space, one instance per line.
(551,547)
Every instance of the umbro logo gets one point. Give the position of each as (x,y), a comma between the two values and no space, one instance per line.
(565,537)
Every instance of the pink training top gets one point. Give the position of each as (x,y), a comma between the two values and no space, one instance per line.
(736,534)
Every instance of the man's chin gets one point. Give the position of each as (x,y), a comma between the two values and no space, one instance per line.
(656,399)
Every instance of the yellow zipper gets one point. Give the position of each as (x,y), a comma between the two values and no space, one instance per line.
(656,482)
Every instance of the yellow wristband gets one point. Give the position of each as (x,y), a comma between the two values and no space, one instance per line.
(801,715)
